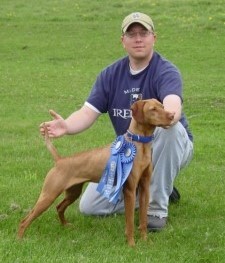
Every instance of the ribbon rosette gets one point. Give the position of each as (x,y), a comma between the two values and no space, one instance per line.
(117,169)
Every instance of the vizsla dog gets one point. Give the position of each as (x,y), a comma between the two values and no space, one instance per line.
(70,173)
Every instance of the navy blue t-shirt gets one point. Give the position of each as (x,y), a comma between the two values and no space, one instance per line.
(116,88)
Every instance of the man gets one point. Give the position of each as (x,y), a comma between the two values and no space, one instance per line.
(144,74)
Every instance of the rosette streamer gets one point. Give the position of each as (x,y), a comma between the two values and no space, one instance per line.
(117,169)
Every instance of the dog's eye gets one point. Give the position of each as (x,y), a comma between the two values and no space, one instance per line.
(152,108)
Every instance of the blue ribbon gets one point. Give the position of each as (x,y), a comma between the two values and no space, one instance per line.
(117,169)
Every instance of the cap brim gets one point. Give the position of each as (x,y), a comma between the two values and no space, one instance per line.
(146,25)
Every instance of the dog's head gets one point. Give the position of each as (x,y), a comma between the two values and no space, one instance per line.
(151,112)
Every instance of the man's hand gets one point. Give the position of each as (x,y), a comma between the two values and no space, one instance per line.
(55,128)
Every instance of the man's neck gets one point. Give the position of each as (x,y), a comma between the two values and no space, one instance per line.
(140,64)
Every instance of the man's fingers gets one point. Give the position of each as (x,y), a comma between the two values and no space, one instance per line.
(52,128)
(55,115)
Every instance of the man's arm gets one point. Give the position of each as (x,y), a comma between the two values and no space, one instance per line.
(172,103)
(77,122)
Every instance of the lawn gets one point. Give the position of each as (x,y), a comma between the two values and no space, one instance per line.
(50,55)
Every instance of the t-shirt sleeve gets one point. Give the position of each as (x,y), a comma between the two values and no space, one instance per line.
(99,94)
(170,82)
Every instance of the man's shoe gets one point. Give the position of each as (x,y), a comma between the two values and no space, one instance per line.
(175,196)
(156,223)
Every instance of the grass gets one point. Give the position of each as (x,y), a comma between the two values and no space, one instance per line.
(50,54)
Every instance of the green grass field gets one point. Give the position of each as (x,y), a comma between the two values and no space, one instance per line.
(50,54)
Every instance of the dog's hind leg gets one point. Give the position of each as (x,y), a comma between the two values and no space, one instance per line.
(71,196)
(43,203)
(50,191)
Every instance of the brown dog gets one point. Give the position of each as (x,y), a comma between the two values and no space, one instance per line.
(70,173)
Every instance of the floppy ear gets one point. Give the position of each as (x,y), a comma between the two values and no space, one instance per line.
(137,110)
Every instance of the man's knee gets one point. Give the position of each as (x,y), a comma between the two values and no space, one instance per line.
(84,208)
(174,135)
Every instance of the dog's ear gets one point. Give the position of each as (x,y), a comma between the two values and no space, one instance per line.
(137,110)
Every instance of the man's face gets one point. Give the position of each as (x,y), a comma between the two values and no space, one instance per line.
(138,41)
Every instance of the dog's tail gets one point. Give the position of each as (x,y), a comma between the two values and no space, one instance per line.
(50,146)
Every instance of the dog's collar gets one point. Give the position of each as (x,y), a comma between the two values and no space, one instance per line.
(139,138)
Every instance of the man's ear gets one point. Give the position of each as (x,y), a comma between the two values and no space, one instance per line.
(137,110)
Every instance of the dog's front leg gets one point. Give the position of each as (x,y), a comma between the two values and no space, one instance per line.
(144,202)
(129,200)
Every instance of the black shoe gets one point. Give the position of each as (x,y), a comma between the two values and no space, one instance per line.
(175,196)
(156,224)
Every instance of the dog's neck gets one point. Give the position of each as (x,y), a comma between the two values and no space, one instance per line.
(138,138)
(140,132)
